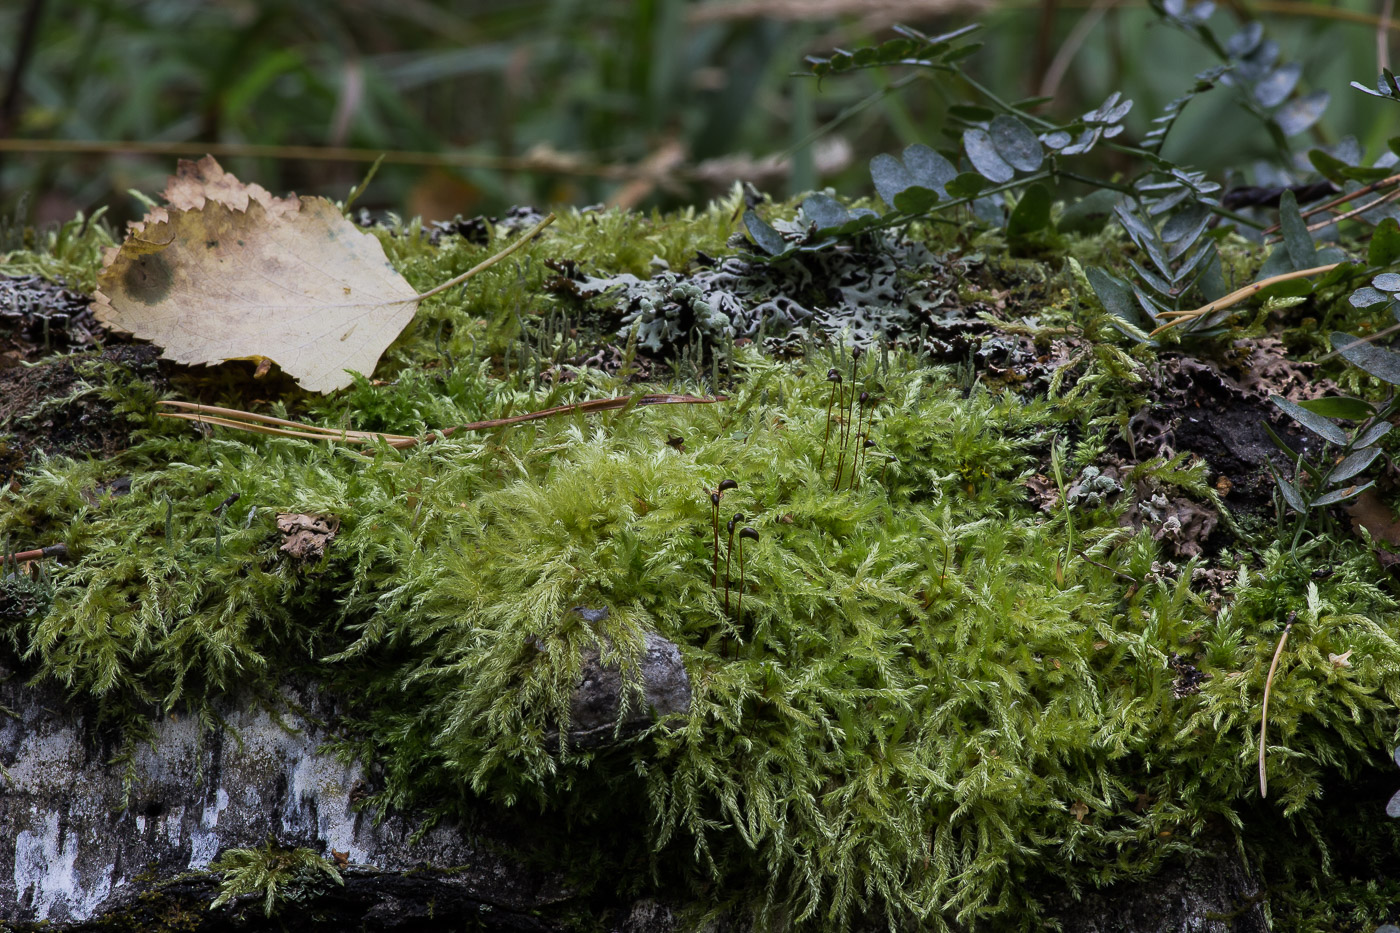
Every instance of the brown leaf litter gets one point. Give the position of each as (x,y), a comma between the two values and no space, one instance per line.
(306,537)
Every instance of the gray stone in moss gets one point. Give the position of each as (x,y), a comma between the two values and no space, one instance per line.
(601,706)
(1211,893)
(78,852)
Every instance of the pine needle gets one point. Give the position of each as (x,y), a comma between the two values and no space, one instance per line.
(280,427)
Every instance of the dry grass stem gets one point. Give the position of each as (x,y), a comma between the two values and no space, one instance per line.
(1264,714)
(266,424)
(1238,295)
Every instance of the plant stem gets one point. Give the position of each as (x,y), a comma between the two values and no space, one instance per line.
(714,521)
(263,424)
(1005,105)
(827,437)
(743,577)
(846,433)
(855,458)
(488,263)
(728,553)
(1264,714)
(1342,199)
(53,550)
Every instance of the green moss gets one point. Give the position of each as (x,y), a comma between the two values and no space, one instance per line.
(70,253)
(275,874)
(938,699)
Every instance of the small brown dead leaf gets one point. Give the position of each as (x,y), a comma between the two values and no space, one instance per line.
(1371,512)
(1079,810)
(1045,495)
(1340,661)
(306,537)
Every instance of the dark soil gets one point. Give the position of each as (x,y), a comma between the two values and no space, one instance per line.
(1197,406)
(43,408)
(38,318)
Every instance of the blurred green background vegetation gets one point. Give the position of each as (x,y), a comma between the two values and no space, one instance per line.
(482,104)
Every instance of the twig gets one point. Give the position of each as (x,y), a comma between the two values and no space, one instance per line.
(1236,296)
(1383,35)
(235,415)
(1264,714)
(1345,215)
(1342,199)
(1358,341)
(265,424)
(53,550)
(1355,211)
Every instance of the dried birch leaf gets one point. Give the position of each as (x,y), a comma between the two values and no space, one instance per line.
(195,183)
(227,272)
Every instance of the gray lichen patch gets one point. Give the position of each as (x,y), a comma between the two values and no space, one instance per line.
(87,837)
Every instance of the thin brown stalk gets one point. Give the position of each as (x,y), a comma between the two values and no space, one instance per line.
(312,433)
(714,523)
(1384,183)
(1264,714)
(850,411)
(728,554)
(1355,211)
(841,426)
(831,400)
(860,424)
(1345,215)
(264,424)
(1059,65)
(235,414)
(1360,340)
(1383,35)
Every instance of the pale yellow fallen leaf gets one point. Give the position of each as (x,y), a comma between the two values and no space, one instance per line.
(229,272)
(195,183)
